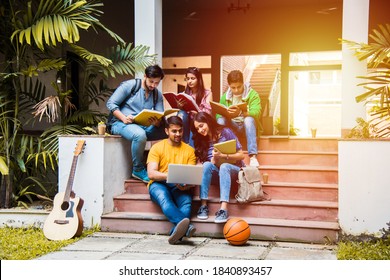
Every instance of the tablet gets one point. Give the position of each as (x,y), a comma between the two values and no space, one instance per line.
(185,174)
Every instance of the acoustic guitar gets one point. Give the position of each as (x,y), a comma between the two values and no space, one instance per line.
(65,220)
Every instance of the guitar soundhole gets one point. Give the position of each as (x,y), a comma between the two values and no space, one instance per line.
(65,205)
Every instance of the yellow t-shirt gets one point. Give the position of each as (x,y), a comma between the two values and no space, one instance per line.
(164,153)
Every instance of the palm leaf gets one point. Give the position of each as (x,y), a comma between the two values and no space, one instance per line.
(43,66)
(50,136)
(55,21)
(3,166)
(377,52)
(90,56)
(128,60)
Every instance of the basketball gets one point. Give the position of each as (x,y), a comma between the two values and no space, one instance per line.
(236,231)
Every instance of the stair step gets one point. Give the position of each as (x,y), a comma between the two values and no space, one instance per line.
(275,143)
(286,209)
(303,186)
(261,228)
(301,173)
(298,158)
(277,190)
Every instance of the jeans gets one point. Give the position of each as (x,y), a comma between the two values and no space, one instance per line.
(227,172)
(187,133)
(138,135)
(174,203)
(248,126)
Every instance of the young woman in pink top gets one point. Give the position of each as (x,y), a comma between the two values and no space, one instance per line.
(195,88)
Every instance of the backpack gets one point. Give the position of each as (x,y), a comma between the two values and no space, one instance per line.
(249,186)
(111,119)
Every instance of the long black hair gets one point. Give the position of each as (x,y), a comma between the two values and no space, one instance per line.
(202,143)
(201,89)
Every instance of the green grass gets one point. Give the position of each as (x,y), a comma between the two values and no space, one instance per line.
(30,243)
(369,250)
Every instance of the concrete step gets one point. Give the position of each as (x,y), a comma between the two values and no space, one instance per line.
(261,228)
(301,173)
(289,143)
(280,209)
(277,190)
(298,158)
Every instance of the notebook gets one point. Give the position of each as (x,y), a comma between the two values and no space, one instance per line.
(227,147)
(185,174)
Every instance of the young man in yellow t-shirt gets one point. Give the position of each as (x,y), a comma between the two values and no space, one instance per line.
(175,200)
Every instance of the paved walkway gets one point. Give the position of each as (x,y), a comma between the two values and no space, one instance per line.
(129,246)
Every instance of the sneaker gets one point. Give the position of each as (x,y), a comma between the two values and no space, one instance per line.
(203,212)
(141,175)
(221,216)
(190,231)
(179,231)
(253,162)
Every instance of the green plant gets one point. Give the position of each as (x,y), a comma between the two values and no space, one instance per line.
(361,130)
(293,131)
(35,36)
(377,82)
(30,243)
(365,247)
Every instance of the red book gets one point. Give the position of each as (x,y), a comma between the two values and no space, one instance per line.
(188,103)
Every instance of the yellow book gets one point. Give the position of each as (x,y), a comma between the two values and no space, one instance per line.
(227,147)
(221,109)
(143,117)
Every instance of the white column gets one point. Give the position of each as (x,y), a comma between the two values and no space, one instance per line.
(148,26)
(355,28)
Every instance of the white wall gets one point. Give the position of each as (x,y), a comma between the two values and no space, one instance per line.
(364,186)
(100,173)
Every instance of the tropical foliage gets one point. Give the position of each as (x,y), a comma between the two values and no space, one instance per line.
(377,82)
(38,42)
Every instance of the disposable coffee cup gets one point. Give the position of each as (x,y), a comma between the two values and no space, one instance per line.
(265,178)
(101,129)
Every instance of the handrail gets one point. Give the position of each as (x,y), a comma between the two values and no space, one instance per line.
(274,96)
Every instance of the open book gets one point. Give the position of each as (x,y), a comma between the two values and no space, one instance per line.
(227,147)
(221,109)
(188,102)
(142,117)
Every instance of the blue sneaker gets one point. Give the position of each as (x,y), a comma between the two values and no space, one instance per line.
(190,231)
(141,175)
(221,216)
(179,231)
(203,213)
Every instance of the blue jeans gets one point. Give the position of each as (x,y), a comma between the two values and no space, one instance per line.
(174,203)
(248,126)
(227,172)
(138,135)
(187,133)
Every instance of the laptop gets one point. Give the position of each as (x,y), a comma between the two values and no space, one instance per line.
(185,174)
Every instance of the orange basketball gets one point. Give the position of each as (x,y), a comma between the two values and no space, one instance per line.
(236,231)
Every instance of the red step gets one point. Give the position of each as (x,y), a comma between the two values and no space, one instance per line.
(303,186)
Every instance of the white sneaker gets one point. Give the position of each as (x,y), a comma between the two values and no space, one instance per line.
(253,162)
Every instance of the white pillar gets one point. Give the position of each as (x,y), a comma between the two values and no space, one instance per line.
(148,26)
(355,28)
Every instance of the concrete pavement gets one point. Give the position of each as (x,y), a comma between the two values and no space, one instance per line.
(130,246)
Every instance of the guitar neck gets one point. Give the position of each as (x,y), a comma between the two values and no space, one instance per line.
(71,178)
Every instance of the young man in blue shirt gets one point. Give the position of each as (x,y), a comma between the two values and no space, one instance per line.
(130,98)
